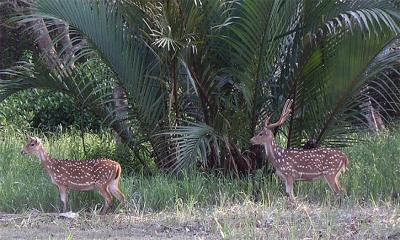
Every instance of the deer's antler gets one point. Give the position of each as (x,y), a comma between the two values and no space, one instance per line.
(284,115)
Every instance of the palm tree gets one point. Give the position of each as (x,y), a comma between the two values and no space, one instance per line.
(201,75)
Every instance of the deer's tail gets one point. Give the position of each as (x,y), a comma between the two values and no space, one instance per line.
(345,163)
(118,171)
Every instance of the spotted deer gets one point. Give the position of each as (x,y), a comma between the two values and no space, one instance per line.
(301,164)
(101,174)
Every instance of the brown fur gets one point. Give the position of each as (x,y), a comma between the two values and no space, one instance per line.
(98,174)
(301,164)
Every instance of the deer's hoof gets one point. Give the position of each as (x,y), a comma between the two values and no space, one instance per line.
(69,215)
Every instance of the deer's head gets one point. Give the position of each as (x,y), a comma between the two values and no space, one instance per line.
(266,135)
(33,146)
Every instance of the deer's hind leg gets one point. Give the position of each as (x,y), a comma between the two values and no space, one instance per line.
(342,190)
(338,183)
(333,183)
(113,187)
(107,196)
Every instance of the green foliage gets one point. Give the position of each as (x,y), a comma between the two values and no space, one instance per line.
(372,176)
(224,65)
(14,40)
(45,111)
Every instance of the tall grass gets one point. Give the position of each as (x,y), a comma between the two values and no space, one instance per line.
(373,175)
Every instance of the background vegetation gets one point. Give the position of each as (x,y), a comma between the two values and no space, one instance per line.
(174,90)
(190,82)
(46,112)
(372,177)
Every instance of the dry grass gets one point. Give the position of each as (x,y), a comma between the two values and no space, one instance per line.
(204,206)
(248,220)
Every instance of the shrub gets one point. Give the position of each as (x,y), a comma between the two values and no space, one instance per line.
(45,111)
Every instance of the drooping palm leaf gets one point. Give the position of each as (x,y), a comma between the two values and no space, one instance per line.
(228,64)
(120,47)
(75,82)
(193,143)
(256,53)
(371,16)
(344,66)
(356,21)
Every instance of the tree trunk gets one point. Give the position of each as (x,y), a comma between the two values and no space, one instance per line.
(121,110)
(2,46)
(45,44)
(11,37)
(65,41)
(374,119)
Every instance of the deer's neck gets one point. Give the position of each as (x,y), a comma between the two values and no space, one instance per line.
(46,159)
(43,155)
(272,150)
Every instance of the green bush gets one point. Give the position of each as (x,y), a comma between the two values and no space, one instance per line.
(45,111)
(372,176)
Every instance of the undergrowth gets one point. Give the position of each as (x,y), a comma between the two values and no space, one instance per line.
(373,176)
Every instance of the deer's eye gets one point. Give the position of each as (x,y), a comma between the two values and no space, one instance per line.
(32,144)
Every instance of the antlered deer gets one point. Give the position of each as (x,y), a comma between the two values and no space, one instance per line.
(101,174)
(300,164)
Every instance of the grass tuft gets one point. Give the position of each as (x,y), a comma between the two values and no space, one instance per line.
(373,177)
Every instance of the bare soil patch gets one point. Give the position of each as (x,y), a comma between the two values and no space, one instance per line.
(244,221)
(92,226)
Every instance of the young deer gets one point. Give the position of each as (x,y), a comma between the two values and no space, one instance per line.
(101,174)
(301,164)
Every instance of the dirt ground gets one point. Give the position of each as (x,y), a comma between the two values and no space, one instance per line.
(244,221)
(86,226)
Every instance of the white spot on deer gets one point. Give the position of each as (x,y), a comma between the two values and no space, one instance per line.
(314,163)
(72,174)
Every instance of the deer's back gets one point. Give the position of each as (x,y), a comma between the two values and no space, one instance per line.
(83,175)
(312,162)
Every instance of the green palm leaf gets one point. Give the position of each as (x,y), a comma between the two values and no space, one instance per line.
(120,47)
(344,66)
(193,143)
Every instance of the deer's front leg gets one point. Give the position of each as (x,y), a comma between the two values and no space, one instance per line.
(64,196)
(289,181)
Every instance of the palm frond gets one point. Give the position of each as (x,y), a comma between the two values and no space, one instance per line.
(334,83)
(371,16)
(193,142)
(255,51)
(120,47)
